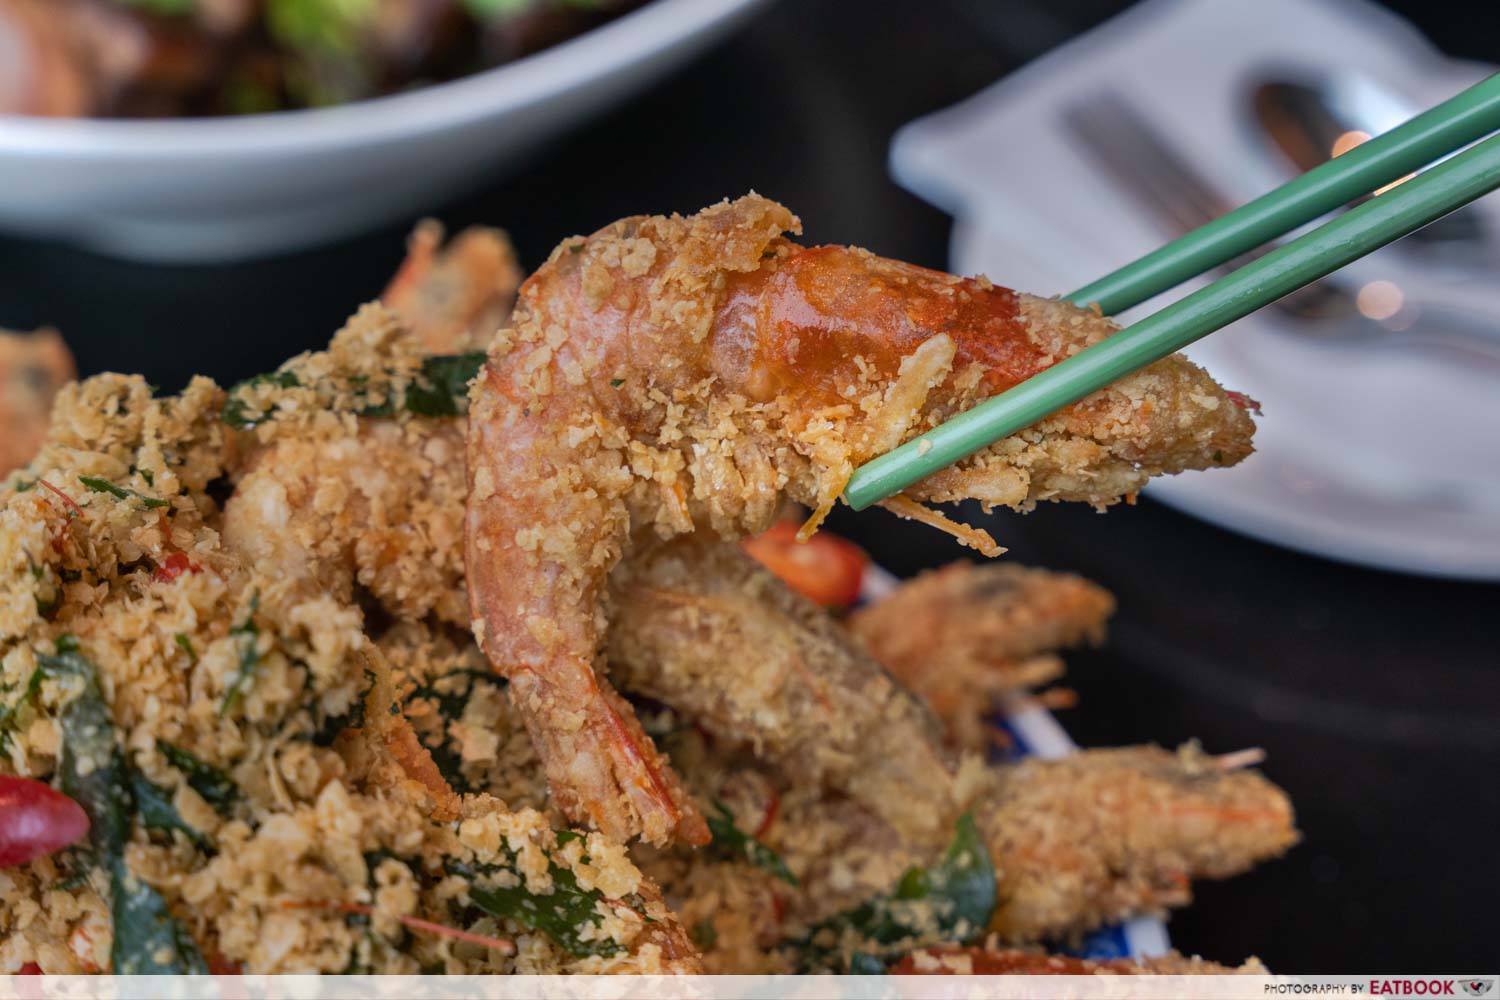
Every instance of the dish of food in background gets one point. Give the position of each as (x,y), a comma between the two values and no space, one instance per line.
(173,58)
(228,187)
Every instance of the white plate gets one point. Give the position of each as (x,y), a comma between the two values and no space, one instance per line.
(1388,458)
(234,187)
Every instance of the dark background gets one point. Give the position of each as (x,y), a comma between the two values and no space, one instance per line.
(1376,695)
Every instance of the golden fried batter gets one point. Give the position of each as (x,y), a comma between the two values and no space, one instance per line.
(1106,834)
(455,297)
(965,635)
(320,843)
(672,374)
(336,500)
(701,626)
(1076,843)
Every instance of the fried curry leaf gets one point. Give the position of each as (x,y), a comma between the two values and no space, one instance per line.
(351,718)
(704,935)
(732,842)
(951,901)
(154,808)
(440,389)
(74,865)
(241,415)
(10,712)
(451,699)
(148,940)
(98,485)
(208,781)
(186,645)
(90,763)
(247,633)
(561,914)
(450,692)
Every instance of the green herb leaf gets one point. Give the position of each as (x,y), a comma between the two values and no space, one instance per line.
(90,762)
(730,841)
(216,787)
(75,863)
(248,635)
(442,390)
(186,645)
(98,485)
(562,914)
(439,389)
(952,901)
(238,413)
(154,808)
(450,692)
(9,714)
(452,699)
(615,383)
(104,486)
(864,964)
(354,718)
(704,935)
(148,940)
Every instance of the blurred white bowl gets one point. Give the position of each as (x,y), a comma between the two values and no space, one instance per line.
(217,189)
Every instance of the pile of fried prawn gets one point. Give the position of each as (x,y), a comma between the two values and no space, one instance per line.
(437,651)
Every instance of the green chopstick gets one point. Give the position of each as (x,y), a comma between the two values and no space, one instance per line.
(1401,210)
(1472,114)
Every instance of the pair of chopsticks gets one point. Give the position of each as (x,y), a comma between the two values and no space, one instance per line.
(1396,212)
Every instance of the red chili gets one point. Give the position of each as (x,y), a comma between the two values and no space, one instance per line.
(175,565)
(73,504)
(36,820)
(826,568)
(29,969)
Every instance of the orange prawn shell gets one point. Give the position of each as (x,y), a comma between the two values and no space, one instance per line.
(828,317)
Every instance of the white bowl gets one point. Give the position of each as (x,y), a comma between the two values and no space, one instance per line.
(217,189)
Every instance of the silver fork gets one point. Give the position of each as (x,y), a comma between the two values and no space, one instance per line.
(1144,163)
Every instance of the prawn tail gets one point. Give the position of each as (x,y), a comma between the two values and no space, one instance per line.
(665,809)
(603,769)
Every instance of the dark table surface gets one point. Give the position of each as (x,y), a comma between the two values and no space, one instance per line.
(1376,695)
